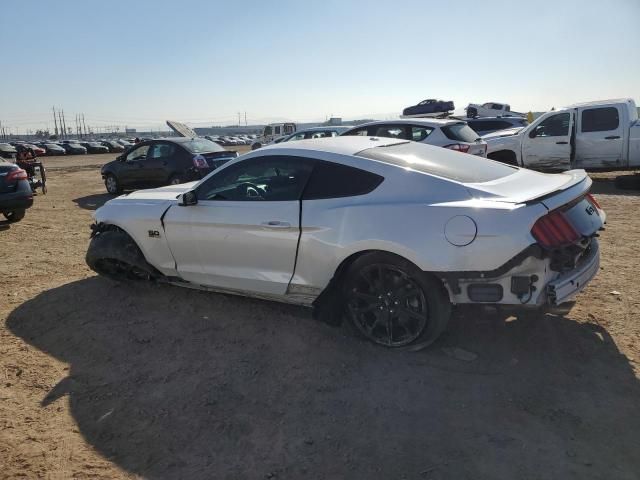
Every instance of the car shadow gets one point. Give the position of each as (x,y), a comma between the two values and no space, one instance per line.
(625,185)
(175,383)
(93,202)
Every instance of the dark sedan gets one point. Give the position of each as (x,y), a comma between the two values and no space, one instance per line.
(52,149)
(161,162)
(74,148)
(94,147)
(113,146)
(15,192)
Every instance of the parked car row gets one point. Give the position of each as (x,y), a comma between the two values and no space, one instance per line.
(230,141)
(65,147)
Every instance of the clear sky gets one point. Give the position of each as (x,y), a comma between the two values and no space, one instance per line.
(140,62)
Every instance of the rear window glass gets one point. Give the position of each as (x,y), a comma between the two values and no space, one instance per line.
(441,162)
(202,145)
(460,132)
(600,119)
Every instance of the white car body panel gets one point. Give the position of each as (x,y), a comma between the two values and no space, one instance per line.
(213,244)
(252,248)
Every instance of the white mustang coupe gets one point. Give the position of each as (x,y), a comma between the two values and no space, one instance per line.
(386,234)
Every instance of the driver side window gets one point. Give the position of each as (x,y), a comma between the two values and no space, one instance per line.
(273,179)
(554,126)
(138,154)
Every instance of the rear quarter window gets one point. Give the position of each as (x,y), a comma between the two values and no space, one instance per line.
(332,180)
(460,132)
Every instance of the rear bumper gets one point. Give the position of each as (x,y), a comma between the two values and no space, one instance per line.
(547,288)
(568,285)
(18,200)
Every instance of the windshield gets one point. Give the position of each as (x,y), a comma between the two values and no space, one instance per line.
(439,161)
(202,145)
(460,132)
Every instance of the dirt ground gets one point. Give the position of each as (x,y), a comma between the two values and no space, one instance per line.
(100,380)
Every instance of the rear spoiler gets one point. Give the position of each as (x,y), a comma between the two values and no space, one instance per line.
(576,188)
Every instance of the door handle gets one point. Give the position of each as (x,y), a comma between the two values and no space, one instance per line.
(562,143)
(612,137)
(275,224)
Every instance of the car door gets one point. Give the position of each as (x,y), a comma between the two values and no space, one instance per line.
(599,142)
(156,165)
(548,144)
(243,232)
(130,172)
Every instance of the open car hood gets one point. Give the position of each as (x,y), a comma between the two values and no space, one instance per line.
(507,132)
(161,194)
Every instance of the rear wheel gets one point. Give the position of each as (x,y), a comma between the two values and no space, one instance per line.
(393,303)
(14,215)
(112,185)
(504,156)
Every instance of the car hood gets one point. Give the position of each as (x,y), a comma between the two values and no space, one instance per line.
(508,132)
(526,186)
(161,194)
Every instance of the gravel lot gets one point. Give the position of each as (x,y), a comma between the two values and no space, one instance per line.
(105,381)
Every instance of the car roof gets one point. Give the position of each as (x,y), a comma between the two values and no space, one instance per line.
(499,117)
(350,145)
(429,122)
(324,128)
(600,102)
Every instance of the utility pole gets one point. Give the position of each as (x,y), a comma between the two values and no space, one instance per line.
(85,125)
(245,119)
(238,118)
(62,132)
(64,123)
(55,122)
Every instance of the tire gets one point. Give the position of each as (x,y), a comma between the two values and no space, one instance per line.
(628,182)
(112,185)
(391,302)
(115,255)
(504,156)
(15,215)
(176,179)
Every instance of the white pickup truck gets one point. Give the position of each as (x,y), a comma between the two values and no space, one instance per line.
(491,109)
(602,135)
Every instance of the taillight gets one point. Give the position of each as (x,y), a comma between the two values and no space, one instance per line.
(16,175)
(200,162)
(554,230)
(458,147)
(592,199)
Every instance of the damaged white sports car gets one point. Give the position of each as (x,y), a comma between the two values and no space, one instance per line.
(386,234)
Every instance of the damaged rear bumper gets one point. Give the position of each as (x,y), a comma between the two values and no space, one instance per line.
(569,284)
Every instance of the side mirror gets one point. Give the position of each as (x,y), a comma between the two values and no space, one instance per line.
(533,133)
(120,158)
(188,198)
